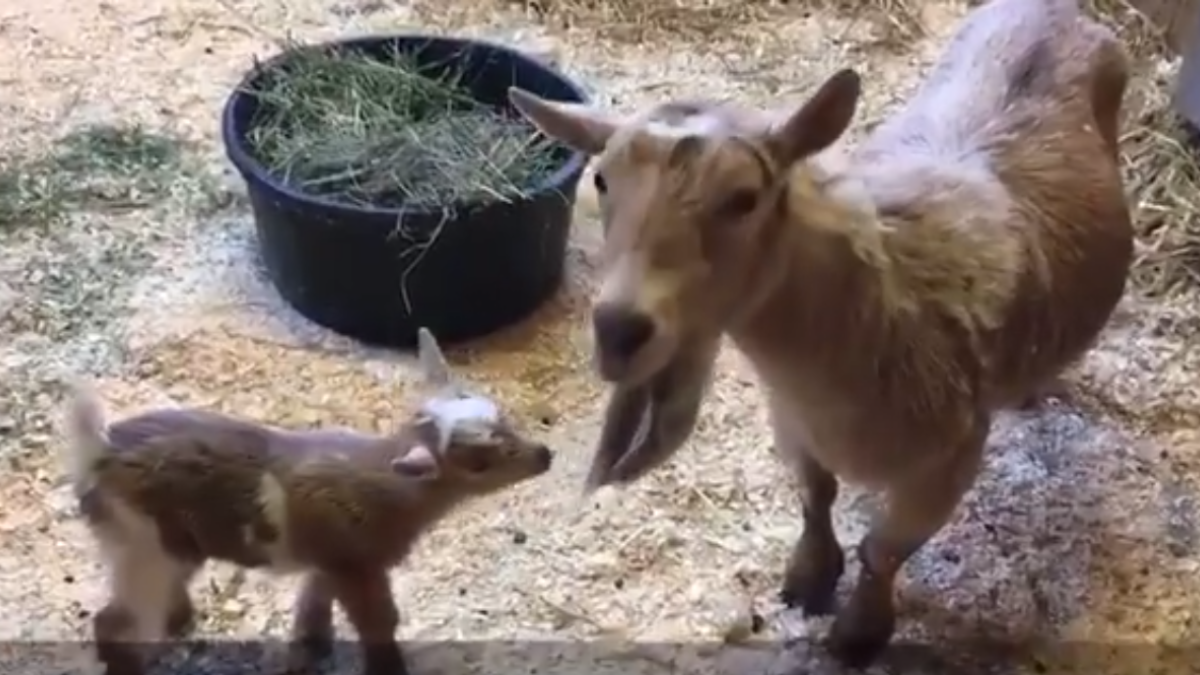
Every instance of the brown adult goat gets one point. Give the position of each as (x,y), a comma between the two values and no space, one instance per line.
(166,491)
(955,263)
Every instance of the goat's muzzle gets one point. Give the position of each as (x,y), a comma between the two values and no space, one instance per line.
(621,332)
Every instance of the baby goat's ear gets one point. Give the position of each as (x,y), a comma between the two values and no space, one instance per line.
(820,122)
(433,362)
(578,125)
(418,462)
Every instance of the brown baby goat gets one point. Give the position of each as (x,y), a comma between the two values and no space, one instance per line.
(165,491)
(954,264)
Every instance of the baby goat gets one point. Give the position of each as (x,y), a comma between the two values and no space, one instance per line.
(973,247)
(165,491)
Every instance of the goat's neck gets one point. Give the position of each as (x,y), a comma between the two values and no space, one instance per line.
(828,290)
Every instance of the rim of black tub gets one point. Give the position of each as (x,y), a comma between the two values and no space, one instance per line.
(311,291)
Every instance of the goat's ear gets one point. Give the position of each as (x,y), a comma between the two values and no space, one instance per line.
(433,362)
(820,121)
(579,126)
(418,462)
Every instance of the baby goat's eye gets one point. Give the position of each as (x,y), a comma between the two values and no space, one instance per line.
(600,184)
(739,203)
(476,463)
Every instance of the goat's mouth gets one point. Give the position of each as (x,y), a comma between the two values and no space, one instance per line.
(630,346)
(646,423)
(633,369)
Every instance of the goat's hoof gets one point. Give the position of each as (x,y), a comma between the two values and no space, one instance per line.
(120,660)
(395,668)
(384,659)
(306,654)
(182,621)
(811,580)
(857,639)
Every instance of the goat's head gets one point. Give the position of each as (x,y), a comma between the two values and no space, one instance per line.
(468,440)
(688,195)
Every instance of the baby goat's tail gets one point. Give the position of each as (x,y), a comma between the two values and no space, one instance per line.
(86,434)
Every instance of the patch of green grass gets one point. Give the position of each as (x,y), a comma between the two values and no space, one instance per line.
(93,168)
(389,132)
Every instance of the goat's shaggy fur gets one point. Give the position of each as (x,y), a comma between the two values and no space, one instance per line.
(891,298)
(166,491)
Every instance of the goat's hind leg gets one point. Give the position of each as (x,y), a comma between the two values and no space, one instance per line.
(149,603)
(917,509)
(817,562)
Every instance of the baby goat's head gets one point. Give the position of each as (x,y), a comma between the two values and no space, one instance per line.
(466,438)
(688,194)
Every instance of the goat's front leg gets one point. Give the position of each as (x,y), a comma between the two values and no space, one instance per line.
(312,624)
(817,562)
(366,597)
(917,509)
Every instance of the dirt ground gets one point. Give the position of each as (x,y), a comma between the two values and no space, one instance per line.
(1082,529)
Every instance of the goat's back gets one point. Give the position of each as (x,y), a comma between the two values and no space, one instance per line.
(200,486)
(216,486)
(1003,170)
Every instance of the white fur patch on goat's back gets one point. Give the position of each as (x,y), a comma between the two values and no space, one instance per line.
(273,506)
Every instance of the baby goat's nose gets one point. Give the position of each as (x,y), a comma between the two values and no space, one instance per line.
(544,457)
(620,333)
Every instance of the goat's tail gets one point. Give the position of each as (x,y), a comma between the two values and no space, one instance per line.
(86,434)
(1110,72)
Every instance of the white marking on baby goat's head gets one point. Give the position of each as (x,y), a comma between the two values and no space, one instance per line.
(473,440)
(457,413)
(690,194)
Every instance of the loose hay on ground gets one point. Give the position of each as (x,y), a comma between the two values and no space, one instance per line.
(98,167)
(1158,159)
(897,23)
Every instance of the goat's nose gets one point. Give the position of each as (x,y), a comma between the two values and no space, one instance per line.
(621,332)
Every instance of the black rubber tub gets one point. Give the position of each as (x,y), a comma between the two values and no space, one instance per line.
(346,268)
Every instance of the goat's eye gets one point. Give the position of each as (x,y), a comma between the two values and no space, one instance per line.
(739,203)
(600,184)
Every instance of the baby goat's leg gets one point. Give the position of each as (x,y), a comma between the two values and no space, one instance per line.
(111,629)
(148,587)
(366,597)
(312,623)
(817,562)
(917,509)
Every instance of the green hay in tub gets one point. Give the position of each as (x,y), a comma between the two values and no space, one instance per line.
(384,132)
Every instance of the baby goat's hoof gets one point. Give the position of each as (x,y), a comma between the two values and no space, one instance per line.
(306,654)
(384,659)
(811,579)
(120,659)
(857,639)
(181,621)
